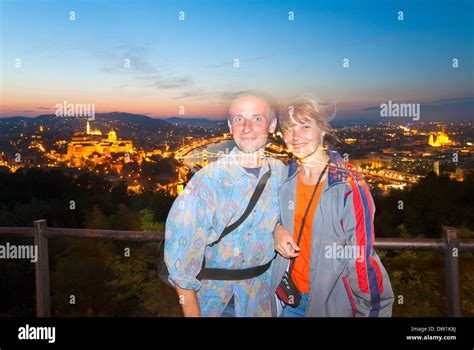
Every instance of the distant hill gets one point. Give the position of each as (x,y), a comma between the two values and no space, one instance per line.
(193,121)
(129,117)
(16,118)
(139,119)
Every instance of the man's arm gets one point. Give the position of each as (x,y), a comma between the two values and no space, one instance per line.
(189,302)
(185,237)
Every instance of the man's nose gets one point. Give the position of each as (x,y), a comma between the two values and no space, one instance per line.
(247,126)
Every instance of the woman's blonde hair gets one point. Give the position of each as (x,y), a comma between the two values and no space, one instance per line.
(304,109)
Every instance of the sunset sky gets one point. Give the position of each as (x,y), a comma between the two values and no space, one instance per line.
(190,63)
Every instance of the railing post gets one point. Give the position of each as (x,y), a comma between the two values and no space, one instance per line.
(451,262)
(43,303)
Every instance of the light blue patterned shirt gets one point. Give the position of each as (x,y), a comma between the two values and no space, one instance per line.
(214,198)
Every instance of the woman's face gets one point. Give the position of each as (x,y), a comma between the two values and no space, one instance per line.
(303,139)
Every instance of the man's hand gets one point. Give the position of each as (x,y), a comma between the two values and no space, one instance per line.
(189,302)
(284,243)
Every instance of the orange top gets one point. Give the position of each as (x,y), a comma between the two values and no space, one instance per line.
(301,265)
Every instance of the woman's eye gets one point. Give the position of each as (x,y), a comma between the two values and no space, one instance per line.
(306,127)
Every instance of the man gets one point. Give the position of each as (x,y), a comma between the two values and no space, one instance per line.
(216,197)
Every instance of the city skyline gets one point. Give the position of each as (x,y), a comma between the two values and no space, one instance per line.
(189,58)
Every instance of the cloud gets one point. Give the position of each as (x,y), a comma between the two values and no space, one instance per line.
(129,63)
(371,108)
(231,95)
(173,82)
(191,93)
(428,104)
(451,100)
(453,108)
(219,97)
(230,63)
(124,58)
(136,63)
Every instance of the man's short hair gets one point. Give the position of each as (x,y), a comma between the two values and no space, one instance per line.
(271,114)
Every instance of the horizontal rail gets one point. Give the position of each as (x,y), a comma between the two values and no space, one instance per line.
(16,231)
(117,235)
(386,243)
(435,244)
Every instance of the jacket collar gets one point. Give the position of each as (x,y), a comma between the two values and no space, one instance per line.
(337,171)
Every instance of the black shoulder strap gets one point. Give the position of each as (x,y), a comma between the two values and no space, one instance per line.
(219,274)
(253,201)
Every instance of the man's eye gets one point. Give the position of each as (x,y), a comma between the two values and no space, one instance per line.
(237,119)
(258,119)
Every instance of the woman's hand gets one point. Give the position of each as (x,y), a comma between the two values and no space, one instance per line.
(284,243)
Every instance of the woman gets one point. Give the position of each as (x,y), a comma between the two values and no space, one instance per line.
(325,238)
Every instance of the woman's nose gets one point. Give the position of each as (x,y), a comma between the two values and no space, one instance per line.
(295,135)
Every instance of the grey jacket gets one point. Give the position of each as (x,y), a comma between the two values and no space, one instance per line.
(347,277)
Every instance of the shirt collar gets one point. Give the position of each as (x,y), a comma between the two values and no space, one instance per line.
(233,169)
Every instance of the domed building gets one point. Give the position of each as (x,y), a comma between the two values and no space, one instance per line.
(112,136)
(90,142)
(439,140)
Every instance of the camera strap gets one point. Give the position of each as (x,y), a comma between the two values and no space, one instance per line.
(307,210)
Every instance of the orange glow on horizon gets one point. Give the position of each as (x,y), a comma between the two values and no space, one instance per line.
(35,106)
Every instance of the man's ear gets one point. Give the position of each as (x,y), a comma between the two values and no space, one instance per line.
(272,127)
(230,126)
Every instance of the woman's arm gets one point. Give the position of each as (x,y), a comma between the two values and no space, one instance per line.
(367,277)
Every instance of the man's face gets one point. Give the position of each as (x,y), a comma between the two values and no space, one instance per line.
(249,123)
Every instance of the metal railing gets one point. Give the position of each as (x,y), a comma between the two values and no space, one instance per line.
(450,245)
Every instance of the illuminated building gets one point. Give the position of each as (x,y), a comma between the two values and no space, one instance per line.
(135,189)
(436,167)
(85,145)
(441,139)
(350,141)
(92,132)
(2,161)
(112,136)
